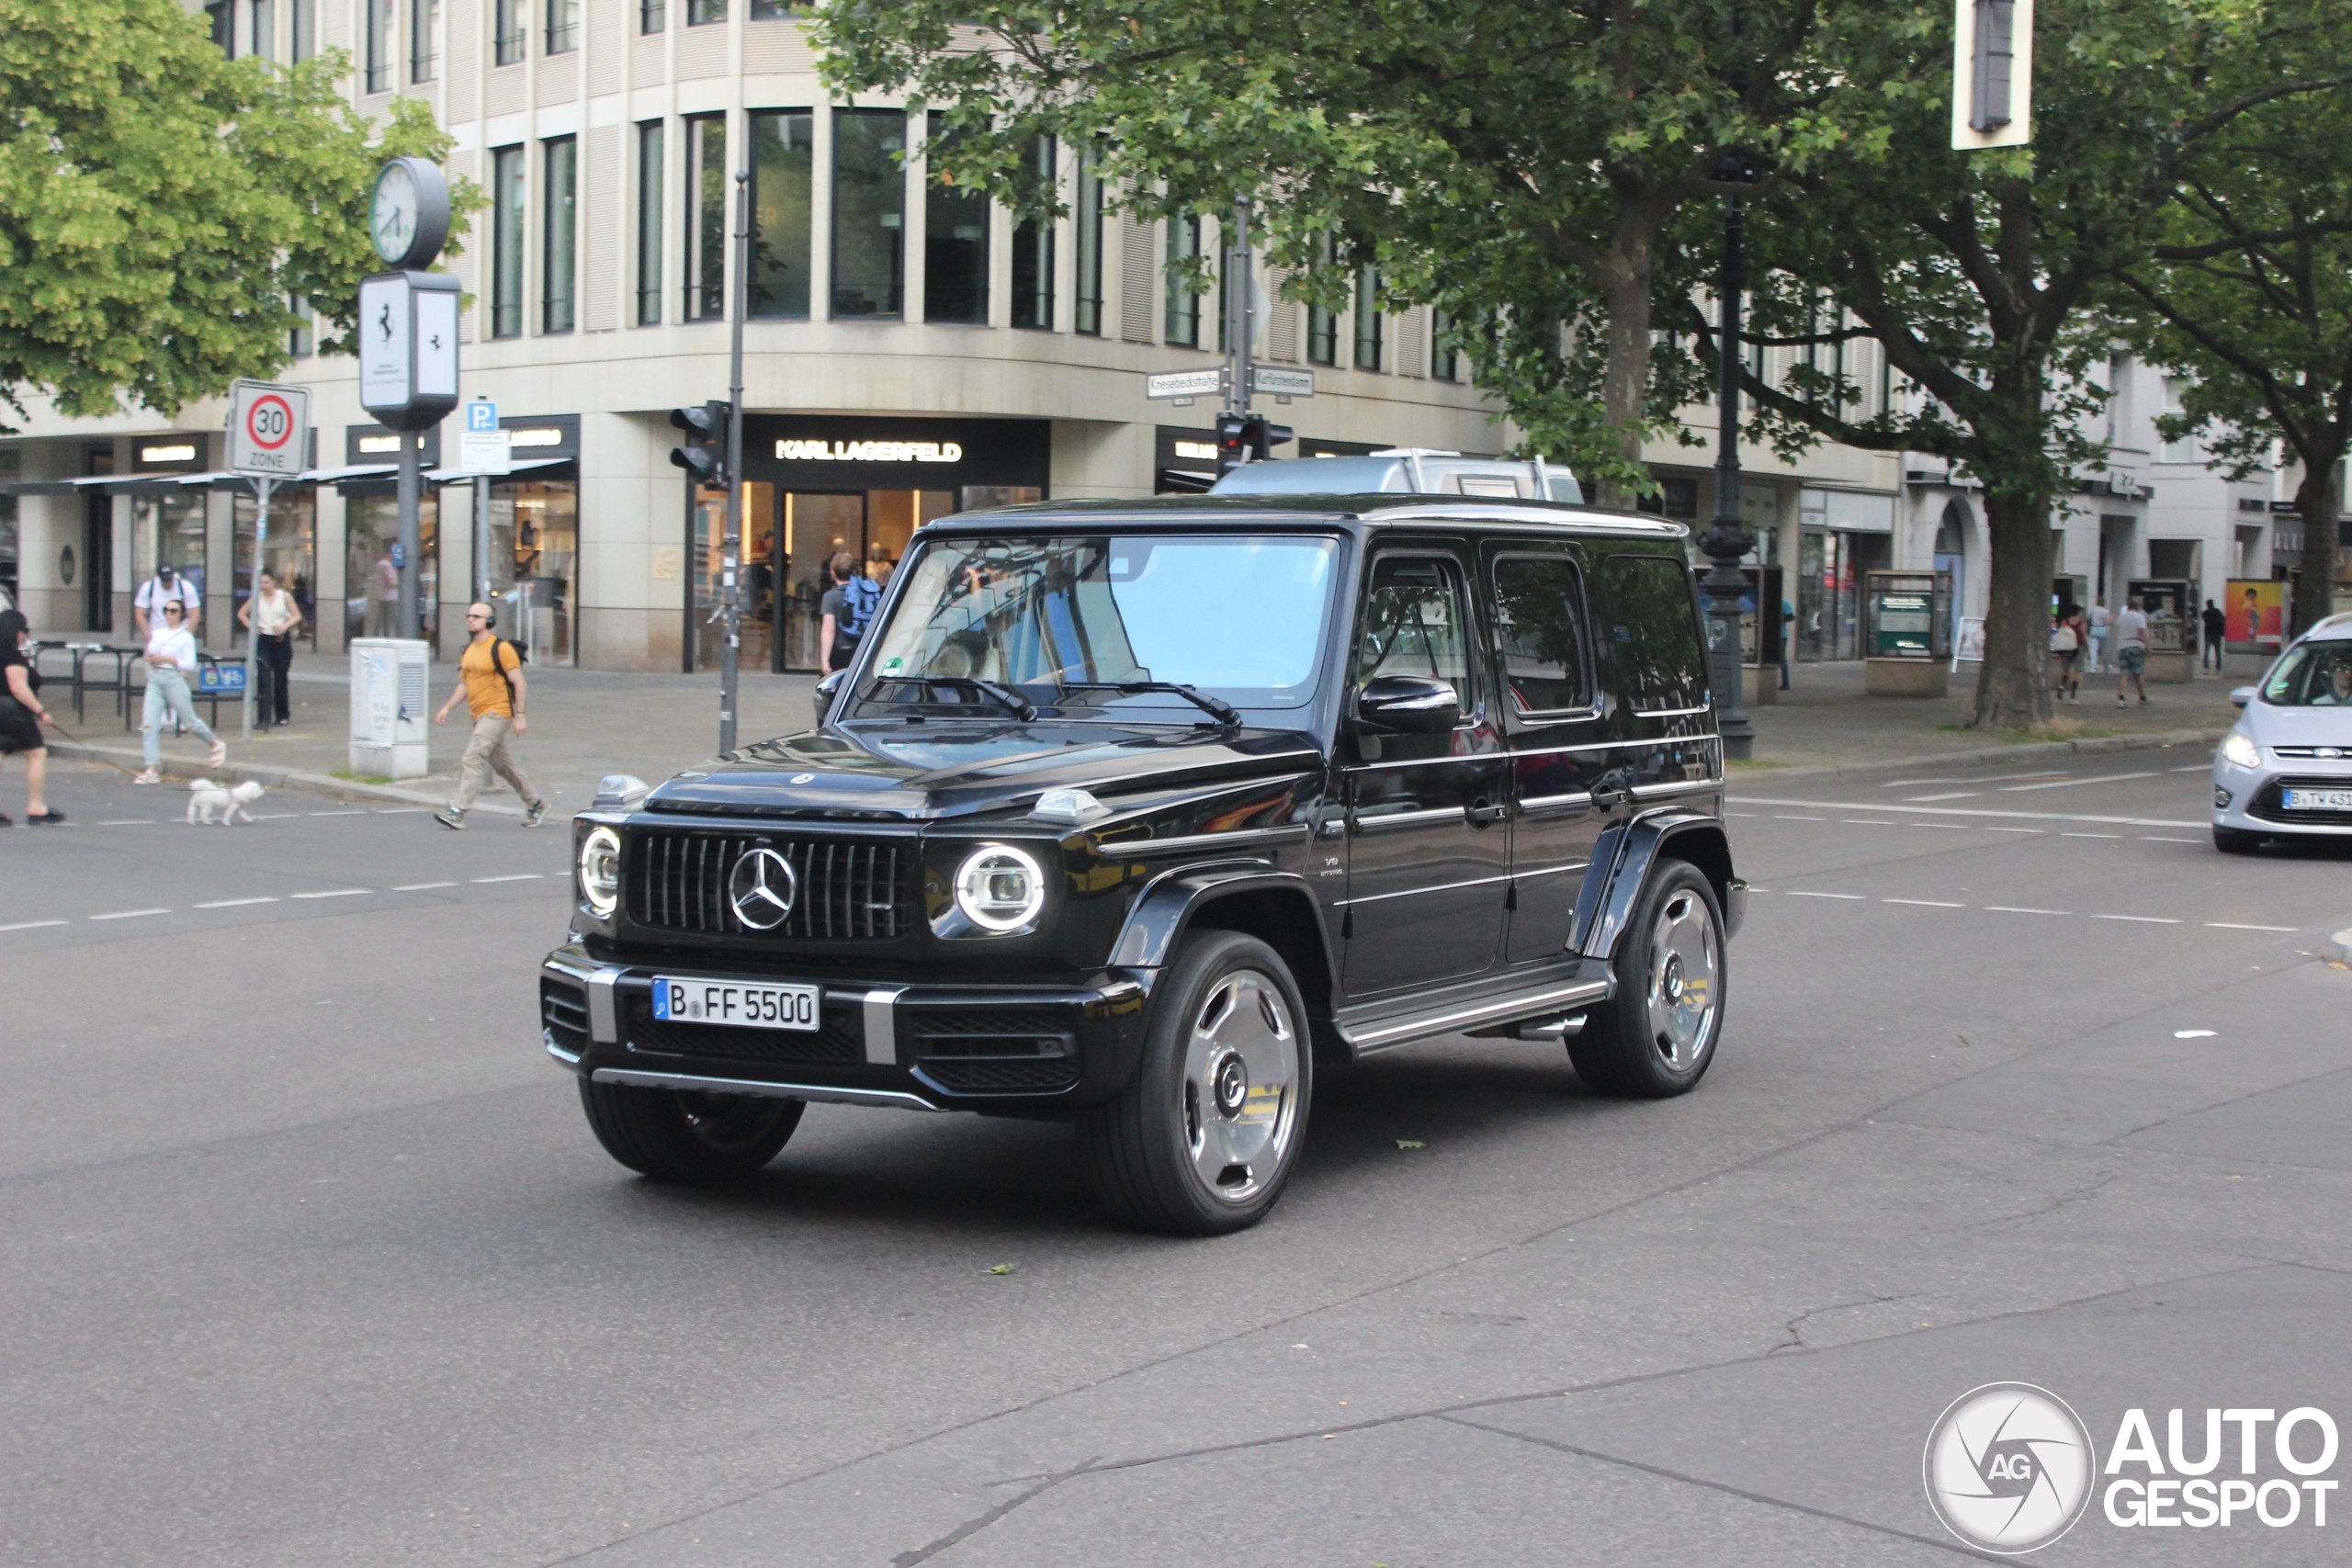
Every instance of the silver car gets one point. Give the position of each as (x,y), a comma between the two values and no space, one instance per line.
(2286,769)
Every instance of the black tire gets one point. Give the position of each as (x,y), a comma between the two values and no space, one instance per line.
(674,1136)
(2236,840)
(1657,1036)
(1227,1070)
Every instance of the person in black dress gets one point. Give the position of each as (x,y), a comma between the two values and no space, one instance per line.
(21,717)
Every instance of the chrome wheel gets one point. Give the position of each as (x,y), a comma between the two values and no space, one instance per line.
(1684,989)
(1241,1086)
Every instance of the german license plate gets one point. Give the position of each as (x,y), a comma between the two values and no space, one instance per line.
(2318,800)
(747,1006)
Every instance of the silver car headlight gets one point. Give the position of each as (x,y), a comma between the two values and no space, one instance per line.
(2239,749)
(999,889)
(600,870)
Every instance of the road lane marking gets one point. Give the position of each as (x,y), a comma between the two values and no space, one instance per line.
(423,886)
(2143,920)
(2035,831)
(1956,795)
(1964,811)
(354,812)
(1854,896)
(1925,903)
(2235,926)
(400,810)
(2157,839)
(234,903)
(2196,768)
(1977,779)
(276,816)
(1863,822)
(2090,835)
(2069,784)
(2016,909)
(519,877)
(129,914)
(1800,818)
(31,925)
(1943,827)
(336,892)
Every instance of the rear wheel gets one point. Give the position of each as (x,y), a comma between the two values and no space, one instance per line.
(2236,840)
(1657,1034)
(683,1135)
(1201,1140)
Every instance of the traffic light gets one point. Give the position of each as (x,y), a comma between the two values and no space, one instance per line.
(705,452)
(1246,438)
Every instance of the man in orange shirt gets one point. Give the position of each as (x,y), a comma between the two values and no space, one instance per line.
(490,680)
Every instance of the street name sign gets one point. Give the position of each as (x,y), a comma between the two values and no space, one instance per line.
(1273,381)
(1184,383)
(269,430)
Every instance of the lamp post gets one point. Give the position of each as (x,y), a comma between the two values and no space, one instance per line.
(1725,542)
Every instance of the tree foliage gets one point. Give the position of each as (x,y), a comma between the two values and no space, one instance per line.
(161,205)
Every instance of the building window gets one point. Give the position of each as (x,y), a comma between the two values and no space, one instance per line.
(559,240)
(770,10)
(306,31)
(1446,360)
(298,342)
(221,16)
(652,16)
(702,13)
(869,213)
(650,209)
(1322,325)
(506,241)
(706,219)
(1367,318)
(1182,325)
(2184,449)
(423,40)
(784,181)
(378,20)
(509,35)
(1033,252)
(265,40)
(1086,220)
(563,26)
(956,245)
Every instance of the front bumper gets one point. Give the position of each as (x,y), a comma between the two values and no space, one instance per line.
(918,1047)
(2252,795)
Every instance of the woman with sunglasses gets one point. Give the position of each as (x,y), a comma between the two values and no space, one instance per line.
(170,659)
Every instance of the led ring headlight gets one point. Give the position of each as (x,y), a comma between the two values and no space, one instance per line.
(600,870)
(999,889)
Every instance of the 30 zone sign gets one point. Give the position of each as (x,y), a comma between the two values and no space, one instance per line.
(269,430)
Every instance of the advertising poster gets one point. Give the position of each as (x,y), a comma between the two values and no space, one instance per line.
(2257,611)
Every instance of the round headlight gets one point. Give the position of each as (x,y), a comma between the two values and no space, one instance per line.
(998,888)
(600,870)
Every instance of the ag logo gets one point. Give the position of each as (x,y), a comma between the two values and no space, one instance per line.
(2008,1468)
(762,887)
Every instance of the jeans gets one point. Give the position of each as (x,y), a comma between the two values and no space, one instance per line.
(486,749)
(167,692)
(2098,652)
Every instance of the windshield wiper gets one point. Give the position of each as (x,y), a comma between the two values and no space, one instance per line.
(1021,707)
(1224,712)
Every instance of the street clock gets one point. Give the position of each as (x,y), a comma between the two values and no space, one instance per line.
(408,217)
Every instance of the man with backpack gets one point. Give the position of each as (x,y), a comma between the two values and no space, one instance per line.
(847,610)
(490,680)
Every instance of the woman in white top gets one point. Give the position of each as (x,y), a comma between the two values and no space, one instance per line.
(281,620)
(170,659)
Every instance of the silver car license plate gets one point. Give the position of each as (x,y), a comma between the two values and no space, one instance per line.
(747,1006)
(2318,800)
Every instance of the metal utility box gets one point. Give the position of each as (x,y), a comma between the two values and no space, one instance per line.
(389,707)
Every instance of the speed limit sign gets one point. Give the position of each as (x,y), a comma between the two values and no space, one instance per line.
(269,430)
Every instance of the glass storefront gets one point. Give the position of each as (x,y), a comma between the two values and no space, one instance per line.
(291,558)
(1830,564)
(167,530)
(371,569)
(534,562)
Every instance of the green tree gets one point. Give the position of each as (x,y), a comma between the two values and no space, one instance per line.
(161,205)
(1981,273)
(1518,164)
(2250,295)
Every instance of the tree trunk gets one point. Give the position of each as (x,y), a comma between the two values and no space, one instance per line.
(2318,501)
(2013,685)
(1624,387)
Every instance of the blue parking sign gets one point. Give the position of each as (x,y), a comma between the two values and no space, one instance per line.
(481,415)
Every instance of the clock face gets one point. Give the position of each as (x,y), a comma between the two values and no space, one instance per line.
(393,216)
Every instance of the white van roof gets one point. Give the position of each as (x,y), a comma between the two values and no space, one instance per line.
(1405,470)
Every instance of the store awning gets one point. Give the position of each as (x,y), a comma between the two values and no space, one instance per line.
(461,476)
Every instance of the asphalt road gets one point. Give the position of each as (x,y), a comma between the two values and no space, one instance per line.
(308,1258)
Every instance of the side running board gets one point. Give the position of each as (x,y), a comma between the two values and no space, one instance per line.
(1367,1035)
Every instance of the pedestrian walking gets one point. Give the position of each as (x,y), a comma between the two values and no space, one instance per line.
(2101,621)
(167,586)
(1788,635)
(847,609)
(280,622)
(2131,652)
(2065,644)
(21,717)
(489,677)
(2216,623)
(171,659)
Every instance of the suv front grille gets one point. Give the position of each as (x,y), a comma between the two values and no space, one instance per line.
(839,1037)
(845,889)
(2266,805)
(563,1013)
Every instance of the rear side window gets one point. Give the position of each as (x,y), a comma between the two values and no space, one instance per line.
(1539,607)
(1649,626)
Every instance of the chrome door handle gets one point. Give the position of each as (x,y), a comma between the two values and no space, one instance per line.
(1482,812)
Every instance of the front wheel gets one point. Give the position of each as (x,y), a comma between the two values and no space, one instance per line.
(680,1135)
(1203,1138)
(1657,1035)
(2236,840)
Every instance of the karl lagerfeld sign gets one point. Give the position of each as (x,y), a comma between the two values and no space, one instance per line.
(869,451)
(830,452)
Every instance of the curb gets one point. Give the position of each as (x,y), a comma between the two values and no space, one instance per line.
(2031,751)
(268,778)
(2339,946)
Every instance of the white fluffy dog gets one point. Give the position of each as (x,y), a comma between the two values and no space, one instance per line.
(212,801)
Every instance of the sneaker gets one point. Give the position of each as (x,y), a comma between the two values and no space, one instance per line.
(150,776)
(536,814)
(450,817)
(219,754)
(2120,703)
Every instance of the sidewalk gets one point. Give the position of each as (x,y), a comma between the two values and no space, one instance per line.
(585,724)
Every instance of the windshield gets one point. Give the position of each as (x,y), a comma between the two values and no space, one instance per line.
(1241,620)
(2314,675)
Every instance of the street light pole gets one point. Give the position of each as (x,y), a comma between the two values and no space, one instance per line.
(1726,542)
(731,545)
(1241,313)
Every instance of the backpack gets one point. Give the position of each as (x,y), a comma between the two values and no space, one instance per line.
(522,657)
(861,596)
(2062,640)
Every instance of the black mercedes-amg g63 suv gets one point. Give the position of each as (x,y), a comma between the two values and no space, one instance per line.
(1132,813)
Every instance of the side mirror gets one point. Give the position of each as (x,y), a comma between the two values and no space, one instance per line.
(2242,695)
(827,690)
(1407,705)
